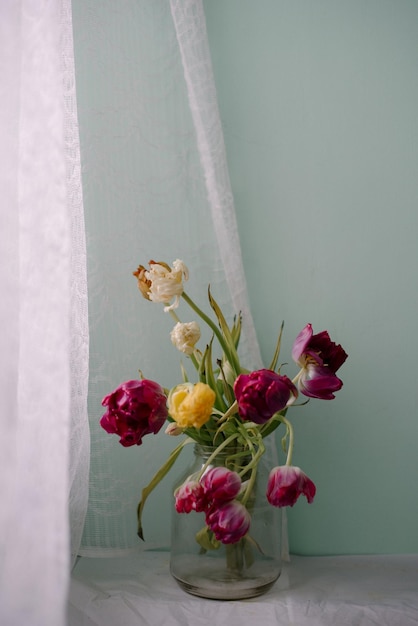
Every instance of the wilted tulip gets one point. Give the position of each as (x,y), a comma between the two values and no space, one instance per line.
(162,283)
(319,358)
(286,483)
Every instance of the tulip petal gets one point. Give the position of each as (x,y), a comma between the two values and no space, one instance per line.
(319,382)
(301,342)
(331,353)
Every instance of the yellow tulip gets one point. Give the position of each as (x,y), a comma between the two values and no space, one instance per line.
(191,405)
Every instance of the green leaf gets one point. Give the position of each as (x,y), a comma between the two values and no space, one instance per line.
(236,330)
(248,552)
(184,373)
(229,346)
(273,364)
(164,469)
(206,539)
(202,366)
(273,423)
(211,380)
(221,319)
(227,374)
(250,541)
(227,387)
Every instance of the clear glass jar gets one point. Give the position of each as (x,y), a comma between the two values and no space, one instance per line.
(244,569)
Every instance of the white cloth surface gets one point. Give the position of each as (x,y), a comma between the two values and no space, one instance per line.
(314,591)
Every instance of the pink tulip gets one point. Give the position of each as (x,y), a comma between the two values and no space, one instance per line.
(190,497)
(263,393)
(319,358)
(229,522)
(286,483)
(136,408)
(220,484)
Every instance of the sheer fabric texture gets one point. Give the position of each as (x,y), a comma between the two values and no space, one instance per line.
(42,309)
(156,186)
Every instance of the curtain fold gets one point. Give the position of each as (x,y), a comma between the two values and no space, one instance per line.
(156,186)
(190,25)
(38,161)
(79,462)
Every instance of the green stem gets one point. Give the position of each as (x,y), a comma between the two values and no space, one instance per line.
(295,380)
(215,453)
(235,557)
(174,316)
(232,358)
(256,454)
(232,409)
(291,440)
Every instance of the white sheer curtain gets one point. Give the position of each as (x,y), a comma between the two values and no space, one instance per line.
(190,25)
(156,185)
(43,337)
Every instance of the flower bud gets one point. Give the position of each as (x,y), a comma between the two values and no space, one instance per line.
(173,430)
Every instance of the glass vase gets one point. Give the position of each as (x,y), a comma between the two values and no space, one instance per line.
(245,569)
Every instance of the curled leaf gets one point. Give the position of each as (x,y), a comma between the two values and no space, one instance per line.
(164,469)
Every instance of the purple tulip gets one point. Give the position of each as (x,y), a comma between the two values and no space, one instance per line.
(319,358)
(220,484)
(286,483)
(229,522)
(190,497)
(263,393)
(135,409)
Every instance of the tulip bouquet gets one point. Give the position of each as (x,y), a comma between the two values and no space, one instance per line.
(228,409)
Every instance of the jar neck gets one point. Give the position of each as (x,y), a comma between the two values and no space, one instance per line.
(227,457)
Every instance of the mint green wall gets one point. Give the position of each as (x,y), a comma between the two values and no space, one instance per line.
(319,103)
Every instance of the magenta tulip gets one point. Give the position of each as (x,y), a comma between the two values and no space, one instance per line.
(286,483)
(263,393)
(229,522)
(319,358)
(136,408)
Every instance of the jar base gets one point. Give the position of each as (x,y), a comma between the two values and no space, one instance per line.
(217,583)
